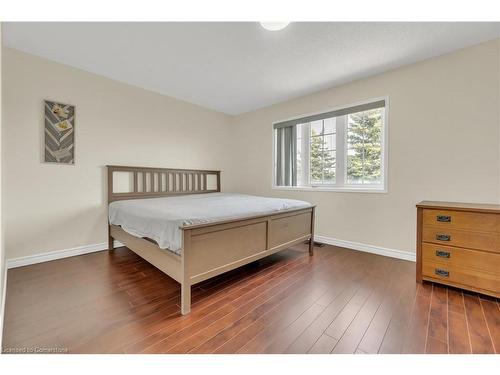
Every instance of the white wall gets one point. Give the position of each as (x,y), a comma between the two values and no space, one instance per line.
(443,145)
(53,207)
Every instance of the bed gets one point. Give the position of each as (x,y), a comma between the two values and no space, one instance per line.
(179,221)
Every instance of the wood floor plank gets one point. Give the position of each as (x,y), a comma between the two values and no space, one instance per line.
(434,346)
(311,334)
(459,341)
(339,325)
(480,338)
(323,345)
(282,341)
(492,316)
(342,321)
(416,338)
(397,330)
(437,329)
(353,335)
(399,285)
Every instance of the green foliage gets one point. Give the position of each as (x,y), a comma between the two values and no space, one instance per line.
(322,161)
(363,137)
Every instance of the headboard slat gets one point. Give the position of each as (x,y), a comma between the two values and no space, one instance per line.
(184,181)
(136,182)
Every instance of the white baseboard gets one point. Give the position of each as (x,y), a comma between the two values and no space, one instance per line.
(59,254)
(400,254)
(66,253)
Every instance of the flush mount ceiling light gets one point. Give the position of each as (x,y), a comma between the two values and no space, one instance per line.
(274,26)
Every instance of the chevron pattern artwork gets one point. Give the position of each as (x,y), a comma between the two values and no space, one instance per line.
(59,133)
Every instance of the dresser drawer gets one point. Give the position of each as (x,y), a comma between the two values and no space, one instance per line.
(454,237)
(461,220)
(461,277)
(462,258)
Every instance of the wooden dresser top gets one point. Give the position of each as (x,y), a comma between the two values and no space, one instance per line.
(457,206)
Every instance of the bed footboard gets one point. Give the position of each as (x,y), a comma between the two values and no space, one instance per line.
(212,249)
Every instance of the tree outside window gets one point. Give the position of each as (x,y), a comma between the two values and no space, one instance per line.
(364,150)
(322,160)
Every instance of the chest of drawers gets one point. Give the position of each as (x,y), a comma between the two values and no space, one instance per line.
(458,244)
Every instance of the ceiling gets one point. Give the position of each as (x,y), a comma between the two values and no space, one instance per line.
(238,67)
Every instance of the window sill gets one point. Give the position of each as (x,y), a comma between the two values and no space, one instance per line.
(332,189)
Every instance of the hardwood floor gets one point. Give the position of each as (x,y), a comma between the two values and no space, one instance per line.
(339,301)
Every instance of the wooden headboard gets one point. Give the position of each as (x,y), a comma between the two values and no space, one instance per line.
(160,182)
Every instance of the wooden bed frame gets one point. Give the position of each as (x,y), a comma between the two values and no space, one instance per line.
(208,249)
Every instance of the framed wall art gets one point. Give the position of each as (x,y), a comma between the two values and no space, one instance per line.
(59,133)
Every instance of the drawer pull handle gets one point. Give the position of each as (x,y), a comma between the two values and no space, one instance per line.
(443,237)
(441,272)
(442,254)
(443,218)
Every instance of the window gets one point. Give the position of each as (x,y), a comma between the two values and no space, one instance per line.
(342,149)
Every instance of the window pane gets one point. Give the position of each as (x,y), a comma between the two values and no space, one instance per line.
(329,142)
(322,160)
(316,127)
(364,156)
(316,159)
(329,167)
(329,125)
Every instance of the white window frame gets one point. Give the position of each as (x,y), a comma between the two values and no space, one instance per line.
(341,156)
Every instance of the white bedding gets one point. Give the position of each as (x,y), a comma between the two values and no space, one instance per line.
(161,218)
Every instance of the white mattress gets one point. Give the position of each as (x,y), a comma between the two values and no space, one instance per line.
(161,218)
